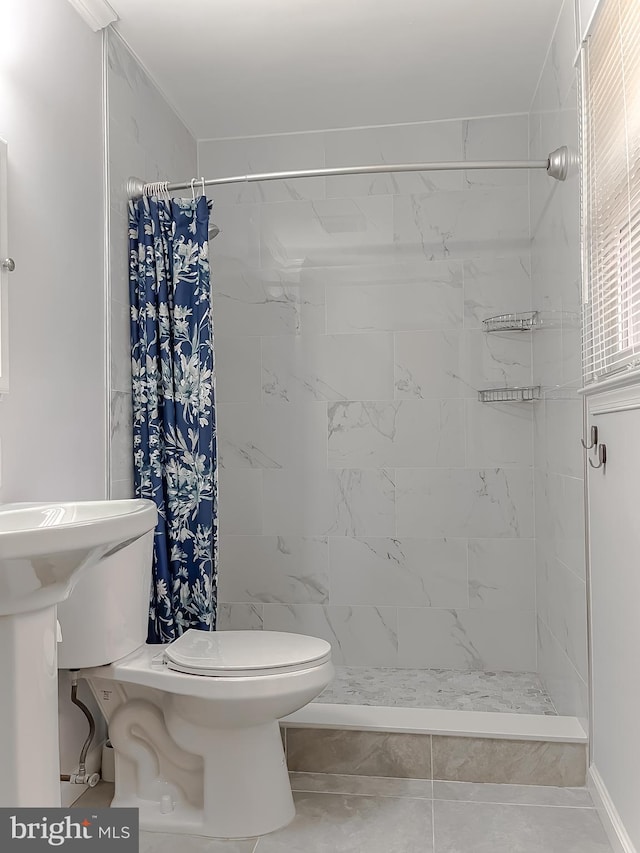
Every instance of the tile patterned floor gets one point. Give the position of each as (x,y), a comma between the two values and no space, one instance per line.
(354,814)
(517,692)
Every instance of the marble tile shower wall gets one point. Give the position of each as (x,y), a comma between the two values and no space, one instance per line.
(559,506)
(148,140)
(365,495)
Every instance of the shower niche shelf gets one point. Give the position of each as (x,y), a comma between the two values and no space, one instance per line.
(519,322)
(510,395)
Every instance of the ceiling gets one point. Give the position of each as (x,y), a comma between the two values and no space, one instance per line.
(248,67)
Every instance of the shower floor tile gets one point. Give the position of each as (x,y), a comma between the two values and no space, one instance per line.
(513,692)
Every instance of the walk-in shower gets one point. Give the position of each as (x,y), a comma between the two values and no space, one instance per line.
(367,493)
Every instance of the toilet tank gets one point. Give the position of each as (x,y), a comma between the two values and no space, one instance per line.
(106,616)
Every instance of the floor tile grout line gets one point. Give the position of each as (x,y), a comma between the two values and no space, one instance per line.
(525,805)
(381,795)
(375,794)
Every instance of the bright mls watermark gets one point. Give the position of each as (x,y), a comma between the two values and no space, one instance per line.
(54,829)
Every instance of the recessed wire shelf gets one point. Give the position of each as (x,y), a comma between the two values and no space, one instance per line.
(522,322)
(510,395)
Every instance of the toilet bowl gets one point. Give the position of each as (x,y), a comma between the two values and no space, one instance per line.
(194,724)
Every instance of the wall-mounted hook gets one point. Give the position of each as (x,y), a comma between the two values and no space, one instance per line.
(594,439)
(602,457)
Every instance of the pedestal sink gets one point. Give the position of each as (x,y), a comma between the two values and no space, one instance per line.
(44,548)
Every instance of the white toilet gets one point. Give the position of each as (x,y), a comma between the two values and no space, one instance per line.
(194,724)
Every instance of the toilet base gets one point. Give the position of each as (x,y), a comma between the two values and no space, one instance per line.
(246,788)
(240,774)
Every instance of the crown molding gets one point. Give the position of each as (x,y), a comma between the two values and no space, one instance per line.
(98,14)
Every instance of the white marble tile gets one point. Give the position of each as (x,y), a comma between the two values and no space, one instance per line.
(547,357)
(543,561)
(126,156)
(497,360)
(571,344)
(238,369)
(568,691)
(240,500)
(554,265)
(427,365)
(468,224)
(335,231)
(567,614)
(419,572)
(502,574)
(563,431)
(338,503)
(555,260)
(566,507)
(328,367)
(275,436)
(120,346)
(402,434)
(466,639)
(499,435)
(125,79)
(121,435)
(218,157)
(558,71)
(433,304)
(411,143)
(386,270)
(147,118)
(236,249)
(239,617)
(119,257)
(280,569)
(496,285)
(496,138)
(262,303)
(437,503)
(122,490)
(359,636)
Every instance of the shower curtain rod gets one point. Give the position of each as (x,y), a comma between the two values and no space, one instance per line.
(557,165)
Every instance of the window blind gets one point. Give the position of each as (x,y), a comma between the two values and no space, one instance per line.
(611,191)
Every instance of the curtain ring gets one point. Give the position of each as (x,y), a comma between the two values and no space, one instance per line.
(193,192)
(165,191)
(203,190)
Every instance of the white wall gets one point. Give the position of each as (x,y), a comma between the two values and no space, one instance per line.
(559,478)
(52,423)
(147,140)
(365,495)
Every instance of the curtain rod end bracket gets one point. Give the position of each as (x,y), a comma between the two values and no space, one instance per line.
(562,163)
(135,188)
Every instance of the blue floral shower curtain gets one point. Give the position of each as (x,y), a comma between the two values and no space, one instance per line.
(173,407)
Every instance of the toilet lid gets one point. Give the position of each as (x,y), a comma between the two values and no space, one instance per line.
(244,653)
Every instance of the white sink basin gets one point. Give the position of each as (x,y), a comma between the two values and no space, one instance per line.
(44,545)
(44,550)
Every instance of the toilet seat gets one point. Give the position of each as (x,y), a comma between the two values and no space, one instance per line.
(237,654)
